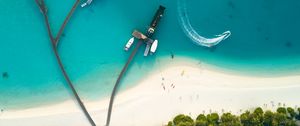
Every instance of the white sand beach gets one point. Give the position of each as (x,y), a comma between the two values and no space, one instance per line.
(182,87)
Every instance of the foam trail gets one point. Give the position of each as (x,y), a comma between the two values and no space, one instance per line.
(191,32)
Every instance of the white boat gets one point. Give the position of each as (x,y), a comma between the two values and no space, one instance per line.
(154,46)
(83,5)
(147,50)
(88,2)
(129,43)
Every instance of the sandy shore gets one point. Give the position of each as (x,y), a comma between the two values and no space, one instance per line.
(183,87)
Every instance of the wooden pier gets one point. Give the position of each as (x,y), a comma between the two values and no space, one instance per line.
(142,39)
(54,42)
(112,97)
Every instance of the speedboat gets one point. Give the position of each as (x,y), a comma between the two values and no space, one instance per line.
(128,44)
(88,2)
(154,46)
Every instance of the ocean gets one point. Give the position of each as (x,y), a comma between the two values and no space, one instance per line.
(263,42)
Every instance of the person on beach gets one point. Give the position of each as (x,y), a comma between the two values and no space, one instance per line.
(182,73)
(172,85)
(162,84)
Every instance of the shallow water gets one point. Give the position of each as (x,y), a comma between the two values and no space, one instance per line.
(263,41)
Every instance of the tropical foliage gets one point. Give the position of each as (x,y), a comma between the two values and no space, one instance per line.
(282,117)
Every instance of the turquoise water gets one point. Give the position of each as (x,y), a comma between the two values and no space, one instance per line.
(264,41)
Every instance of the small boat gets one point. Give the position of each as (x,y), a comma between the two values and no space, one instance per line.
(154,46)
(83,5)
(88,2)
(129,43)
(147,50)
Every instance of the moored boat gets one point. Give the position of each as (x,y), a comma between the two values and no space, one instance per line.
(128,44)
(154,46)
(88,2)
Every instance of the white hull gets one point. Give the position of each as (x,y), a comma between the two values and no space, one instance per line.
(147,50)
(128,44)
(154,46)
(88,2)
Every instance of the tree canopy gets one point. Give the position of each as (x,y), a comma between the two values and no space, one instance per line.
(282,117)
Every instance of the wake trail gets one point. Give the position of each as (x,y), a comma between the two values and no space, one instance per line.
(192,33)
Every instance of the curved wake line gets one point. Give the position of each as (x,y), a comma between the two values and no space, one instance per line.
(191,32)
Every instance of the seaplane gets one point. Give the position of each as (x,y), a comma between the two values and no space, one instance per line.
(151,45)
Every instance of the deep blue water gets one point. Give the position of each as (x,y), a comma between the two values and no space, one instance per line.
(264,41)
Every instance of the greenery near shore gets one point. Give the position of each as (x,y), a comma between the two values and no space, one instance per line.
(282,117)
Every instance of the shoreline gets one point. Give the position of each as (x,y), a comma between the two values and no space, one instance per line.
(179,87)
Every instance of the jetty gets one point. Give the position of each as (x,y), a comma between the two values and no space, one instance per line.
(143,39)
(62,28)
(54,41)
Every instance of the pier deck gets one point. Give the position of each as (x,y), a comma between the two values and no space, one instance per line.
(139,35)
(142,39)
(114,92)
(54,42)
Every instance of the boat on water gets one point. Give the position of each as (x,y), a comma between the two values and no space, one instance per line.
(153,47)
(88,2)
(128,44)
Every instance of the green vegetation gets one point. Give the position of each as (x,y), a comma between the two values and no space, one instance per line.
(282,117)
(183,120)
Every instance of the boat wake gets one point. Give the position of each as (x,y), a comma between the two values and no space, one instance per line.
(192,33)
